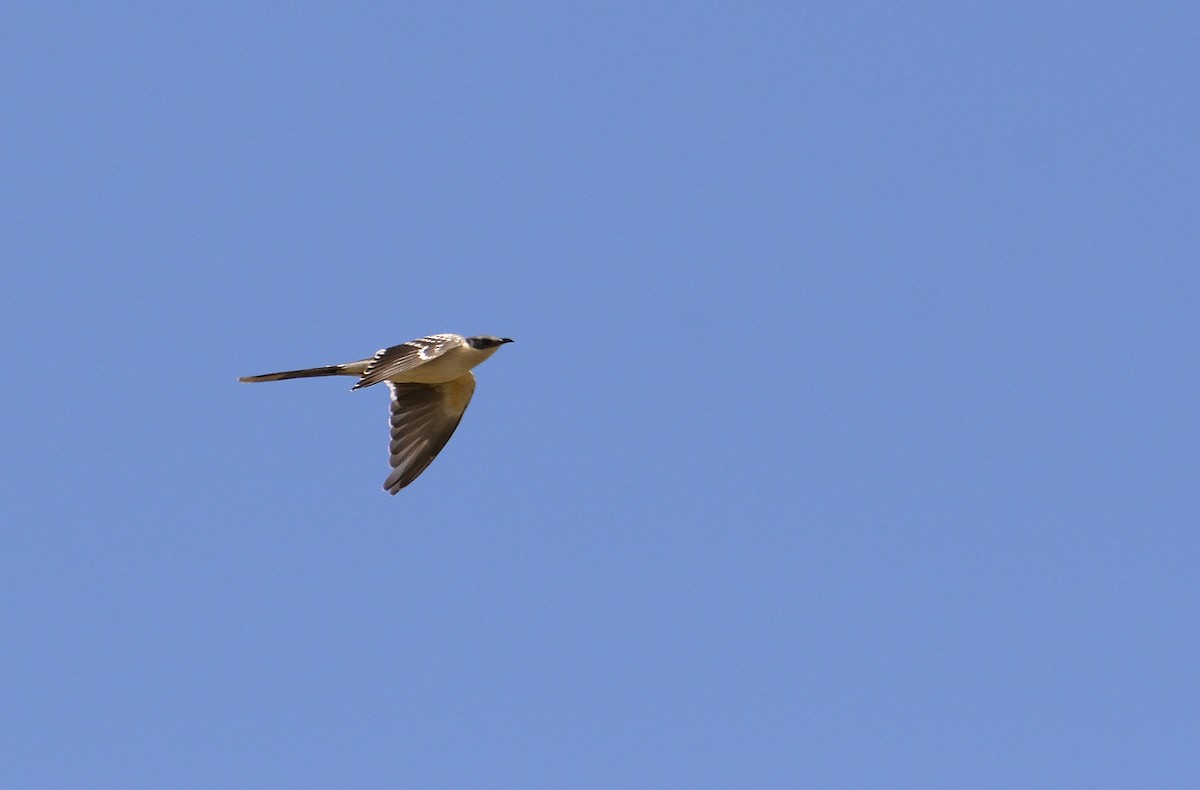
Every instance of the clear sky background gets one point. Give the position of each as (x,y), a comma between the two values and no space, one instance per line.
(849,438)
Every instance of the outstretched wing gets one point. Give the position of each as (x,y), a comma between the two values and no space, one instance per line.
(424,417)
(387,362)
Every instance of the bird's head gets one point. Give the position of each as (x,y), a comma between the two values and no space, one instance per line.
(487,342)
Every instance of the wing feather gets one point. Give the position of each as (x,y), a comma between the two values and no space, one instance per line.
(387,362)
(423,418)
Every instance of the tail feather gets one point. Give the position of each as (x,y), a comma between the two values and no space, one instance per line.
(307,373)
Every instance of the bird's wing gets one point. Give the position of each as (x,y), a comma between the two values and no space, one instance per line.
(387,362)
(424,417)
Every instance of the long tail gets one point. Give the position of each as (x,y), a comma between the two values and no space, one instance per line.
(307,373)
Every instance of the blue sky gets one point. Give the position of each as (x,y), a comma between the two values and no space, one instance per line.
(849,437)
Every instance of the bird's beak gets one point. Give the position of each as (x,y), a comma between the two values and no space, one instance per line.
(506,340)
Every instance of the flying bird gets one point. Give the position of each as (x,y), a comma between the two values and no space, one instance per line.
(431,383)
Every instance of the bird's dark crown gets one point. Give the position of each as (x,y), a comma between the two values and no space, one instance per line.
(482,342)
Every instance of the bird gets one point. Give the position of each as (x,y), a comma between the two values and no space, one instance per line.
(431,383)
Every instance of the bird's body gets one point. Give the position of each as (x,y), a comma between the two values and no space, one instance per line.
(431,384)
